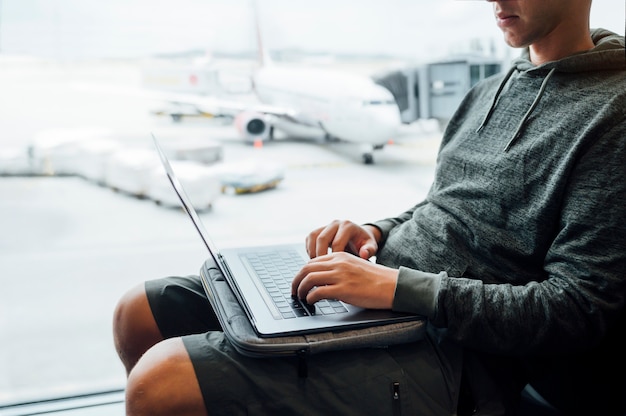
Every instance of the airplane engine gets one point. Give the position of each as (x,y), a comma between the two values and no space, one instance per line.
(253,126)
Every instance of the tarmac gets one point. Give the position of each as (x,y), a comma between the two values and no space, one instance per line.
(69,247)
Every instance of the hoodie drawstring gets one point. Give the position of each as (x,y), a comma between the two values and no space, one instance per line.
(544,84)
(495,98)
(520,126)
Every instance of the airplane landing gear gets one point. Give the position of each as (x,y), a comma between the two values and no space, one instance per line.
(368,158)
(367,152)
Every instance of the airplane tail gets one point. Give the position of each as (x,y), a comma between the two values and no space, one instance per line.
(263,55)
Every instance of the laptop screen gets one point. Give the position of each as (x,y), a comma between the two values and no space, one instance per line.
(186,203)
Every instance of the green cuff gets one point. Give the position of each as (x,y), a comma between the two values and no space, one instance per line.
(417,291)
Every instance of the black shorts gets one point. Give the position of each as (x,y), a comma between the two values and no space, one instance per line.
(407,379)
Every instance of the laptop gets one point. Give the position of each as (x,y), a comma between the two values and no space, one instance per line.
(260,278)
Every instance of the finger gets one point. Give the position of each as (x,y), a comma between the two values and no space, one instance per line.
(314,279)
(342,242)
(302,274)
(344,236)
(311,241)
(297,279)
(322,292)
(367,251)
(325,238)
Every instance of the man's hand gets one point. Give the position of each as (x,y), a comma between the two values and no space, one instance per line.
(343,236)
(347,278)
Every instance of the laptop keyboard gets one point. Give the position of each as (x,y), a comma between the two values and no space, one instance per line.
(276,271)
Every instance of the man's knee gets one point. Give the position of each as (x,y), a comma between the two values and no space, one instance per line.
(134,327)
(129,308)
(163,382)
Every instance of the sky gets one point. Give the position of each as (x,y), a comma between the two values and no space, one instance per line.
(84,29)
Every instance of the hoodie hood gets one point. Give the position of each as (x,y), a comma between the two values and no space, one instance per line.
(608,54)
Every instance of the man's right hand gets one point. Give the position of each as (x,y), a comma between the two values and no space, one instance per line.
(342,235)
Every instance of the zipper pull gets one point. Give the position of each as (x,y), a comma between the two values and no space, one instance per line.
(396,390)
(395,395)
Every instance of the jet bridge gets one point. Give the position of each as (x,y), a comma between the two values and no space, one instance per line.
(435,90)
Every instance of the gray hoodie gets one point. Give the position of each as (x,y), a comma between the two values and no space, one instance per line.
(519,248)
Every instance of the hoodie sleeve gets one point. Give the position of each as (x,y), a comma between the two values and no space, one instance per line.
(387,225)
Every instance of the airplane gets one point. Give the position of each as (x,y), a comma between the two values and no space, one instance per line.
(306,102)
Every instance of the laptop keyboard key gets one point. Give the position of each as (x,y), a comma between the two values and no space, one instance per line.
(275,271)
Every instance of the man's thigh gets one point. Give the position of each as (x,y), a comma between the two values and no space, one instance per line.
(407,379)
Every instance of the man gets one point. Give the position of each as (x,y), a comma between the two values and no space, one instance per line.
(516,257)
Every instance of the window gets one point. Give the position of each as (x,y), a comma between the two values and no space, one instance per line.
(79,225)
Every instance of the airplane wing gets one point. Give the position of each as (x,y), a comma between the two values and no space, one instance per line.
(246,109)
(219,105)
(211,105)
